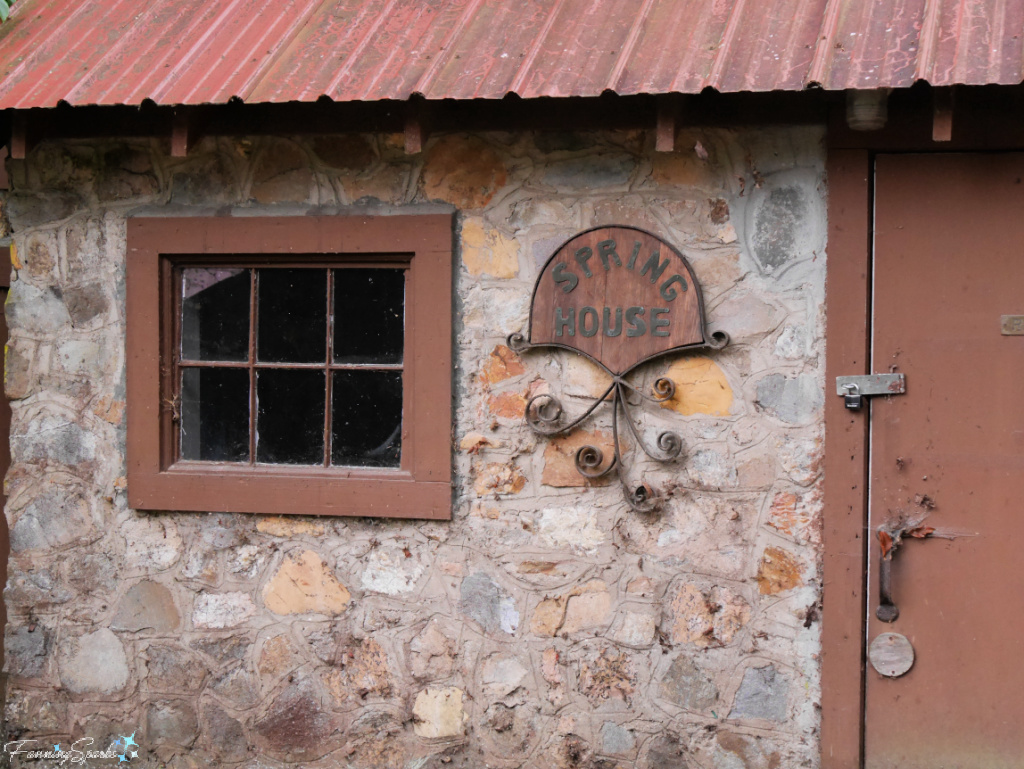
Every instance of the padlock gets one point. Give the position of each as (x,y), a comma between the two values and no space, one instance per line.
(853,398)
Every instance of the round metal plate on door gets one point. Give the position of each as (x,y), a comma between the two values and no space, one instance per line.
(891,654)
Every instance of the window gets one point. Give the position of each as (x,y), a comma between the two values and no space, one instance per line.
(290,365)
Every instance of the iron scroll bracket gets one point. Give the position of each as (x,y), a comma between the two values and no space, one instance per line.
(544,415)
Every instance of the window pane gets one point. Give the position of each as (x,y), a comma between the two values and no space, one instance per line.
(290,417)
(292,312)
(215,314)
(369,315)
(366,421)
(215,414)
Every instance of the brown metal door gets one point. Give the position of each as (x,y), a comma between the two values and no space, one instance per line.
(949,262)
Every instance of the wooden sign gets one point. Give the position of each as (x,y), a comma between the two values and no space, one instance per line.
(620,296)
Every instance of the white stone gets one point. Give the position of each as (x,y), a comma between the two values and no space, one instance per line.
(502,675)
(221,610)
(573,527)
(792,343)
(508,615)
(670,537)
(390,572)
(636,629)
(94,663)
(150,543)
(246,560)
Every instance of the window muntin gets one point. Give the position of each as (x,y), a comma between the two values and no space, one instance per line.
(291,365)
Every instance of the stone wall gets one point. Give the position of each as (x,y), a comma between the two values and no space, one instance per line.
(546,625)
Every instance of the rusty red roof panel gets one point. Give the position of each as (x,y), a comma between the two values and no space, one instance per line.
(198,52)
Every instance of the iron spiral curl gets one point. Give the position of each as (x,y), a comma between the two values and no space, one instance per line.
(671,444)
(588,462)
(664,389)
(517,342)
(543,413)
(642,498)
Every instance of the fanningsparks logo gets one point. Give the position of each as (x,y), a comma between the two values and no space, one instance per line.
(123,749)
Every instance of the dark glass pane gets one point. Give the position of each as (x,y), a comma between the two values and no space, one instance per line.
(369,315)
(366,421)
(290,416)
(215,414)
(292,312)
(215,314)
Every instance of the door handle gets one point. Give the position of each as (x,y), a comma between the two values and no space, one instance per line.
(889,539)
(887,611)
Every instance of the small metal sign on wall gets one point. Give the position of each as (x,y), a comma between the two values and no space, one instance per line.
(621,297)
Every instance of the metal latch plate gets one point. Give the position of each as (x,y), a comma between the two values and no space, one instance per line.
(872,384)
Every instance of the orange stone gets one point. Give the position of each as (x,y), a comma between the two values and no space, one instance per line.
(692,621)
(507,405)
(779,571)
(548,616)
(497,478)
(794,515)
(464,172)
(500,365)
(701,388)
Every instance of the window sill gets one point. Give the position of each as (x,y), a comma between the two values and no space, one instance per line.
(206,486)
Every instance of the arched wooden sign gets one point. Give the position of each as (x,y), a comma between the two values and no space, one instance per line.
(618,295)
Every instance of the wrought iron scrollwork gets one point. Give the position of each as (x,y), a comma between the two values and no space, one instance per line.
(544,415)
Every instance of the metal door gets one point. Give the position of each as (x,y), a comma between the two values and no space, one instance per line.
(949,455)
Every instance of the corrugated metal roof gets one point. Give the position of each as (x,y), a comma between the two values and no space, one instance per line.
(202,52)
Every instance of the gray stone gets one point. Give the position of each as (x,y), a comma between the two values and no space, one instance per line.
(238,687)
(94,573)
(171,722)
(225,735)
(25,650)
(57,517)
(615,739)
(34,310)
(483,600)
(25,211)
(94,663)
(688,686)
(792,400)
(500,718)
(105,729)
(85,302)
(55,439)
(778,218)
(785,219)
(173,670)
(227,649)
(666,752)
(86,246)
(205,180)
(36,710)
(220,533)
(591,173)
(38,588)
(126,173)
(763,693)
(146,605)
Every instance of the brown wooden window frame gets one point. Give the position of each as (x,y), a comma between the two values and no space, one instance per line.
(159,480)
